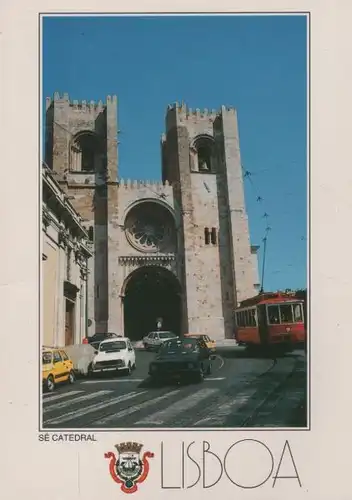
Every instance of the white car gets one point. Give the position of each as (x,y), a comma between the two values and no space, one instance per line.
(115,354)
(154,339)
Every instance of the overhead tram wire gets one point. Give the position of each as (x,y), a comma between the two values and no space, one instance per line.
(259,199)
(248,175)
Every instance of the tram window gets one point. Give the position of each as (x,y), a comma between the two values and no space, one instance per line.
(286,313)
(273,315)
(238,319)
(252,317)
(297,313)
(241,318)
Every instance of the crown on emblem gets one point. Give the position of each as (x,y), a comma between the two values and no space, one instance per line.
(129,447)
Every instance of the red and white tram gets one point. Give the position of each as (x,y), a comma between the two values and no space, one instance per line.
(271,319)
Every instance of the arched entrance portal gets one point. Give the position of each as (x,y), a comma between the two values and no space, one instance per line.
(151,293)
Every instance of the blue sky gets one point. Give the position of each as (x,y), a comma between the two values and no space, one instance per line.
(254,63)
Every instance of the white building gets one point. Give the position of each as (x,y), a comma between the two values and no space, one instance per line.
(65,254)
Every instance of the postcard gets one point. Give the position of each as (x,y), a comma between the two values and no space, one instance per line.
(175,282)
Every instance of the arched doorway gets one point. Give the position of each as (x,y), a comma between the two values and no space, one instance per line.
(150,293)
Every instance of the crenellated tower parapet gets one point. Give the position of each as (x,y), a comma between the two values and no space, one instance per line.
(81,135)
(180,113)
(82,106)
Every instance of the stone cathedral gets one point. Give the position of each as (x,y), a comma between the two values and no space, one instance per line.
(178,249)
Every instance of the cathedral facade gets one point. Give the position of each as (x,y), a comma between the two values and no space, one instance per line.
(176,251)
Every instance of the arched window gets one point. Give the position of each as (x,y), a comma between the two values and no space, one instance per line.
(86,152)
(207,236)
(202,154)
(204,159)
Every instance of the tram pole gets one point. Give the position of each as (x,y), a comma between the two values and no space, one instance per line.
(263,265)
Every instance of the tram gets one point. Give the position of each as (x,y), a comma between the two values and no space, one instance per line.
(271,320)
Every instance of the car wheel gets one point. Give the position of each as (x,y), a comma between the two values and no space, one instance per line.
(209,370)
(129,369)
(71,377)
(134,366)
(146,347)
(50,384)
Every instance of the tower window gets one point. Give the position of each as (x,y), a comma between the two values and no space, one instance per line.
(88,159)
(203,154)
(204,159)
(85,152)
(213,235)
(207,236)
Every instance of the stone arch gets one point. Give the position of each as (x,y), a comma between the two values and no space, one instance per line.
(148,293)
(150,199)
(203,154)
(86,152)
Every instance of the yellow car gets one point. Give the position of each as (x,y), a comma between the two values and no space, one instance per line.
(211,344)
(56,368)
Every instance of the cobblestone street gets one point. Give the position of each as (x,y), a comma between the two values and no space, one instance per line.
(242,391)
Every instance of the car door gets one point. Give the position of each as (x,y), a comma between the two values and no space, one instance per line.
(68,364)
(153,339)
(157,340)
(60,371)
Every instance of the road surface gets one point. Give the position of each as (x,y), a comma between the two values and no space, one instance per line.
(242,391)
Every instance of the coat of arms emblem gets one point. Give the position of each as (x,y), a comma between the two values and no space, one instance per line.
(129,469)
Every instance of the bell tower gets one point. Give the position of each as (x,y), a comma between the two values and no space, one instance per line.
(81,148)
(201,158)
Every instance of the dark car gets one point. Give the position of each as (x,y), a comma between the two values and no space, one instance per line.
(181,359)
(95,340)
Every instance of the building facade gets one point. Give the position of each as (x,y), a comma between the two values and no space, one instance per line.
(65,255)
(176,250)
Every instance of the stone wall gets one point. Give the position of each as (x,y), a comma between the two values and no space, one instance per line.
(123,258)
(244,278)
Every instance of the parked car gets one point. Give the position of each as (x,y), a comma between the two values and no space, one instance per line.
(95,339)
(180,359)
(115,354)
(154,339)
(211,344)
(57,367)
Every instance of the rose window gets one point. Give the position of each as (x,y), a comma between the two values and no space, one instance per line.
(149,227)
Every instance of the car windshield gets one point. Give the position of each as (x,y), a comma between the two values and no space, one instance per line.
(166,335)
(47,358)
(102,336)
(184,346)
(112,346)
